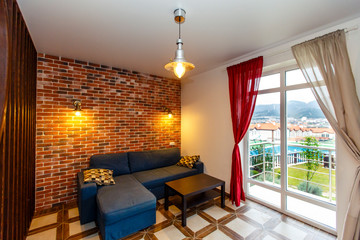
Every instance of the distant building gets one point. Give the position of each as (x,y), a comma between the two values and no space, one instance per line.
(265,131)
(323,134)
(270,131)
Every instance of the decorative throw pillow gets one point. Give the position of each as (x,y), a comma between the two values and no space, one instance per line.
(99,176)
(188,161)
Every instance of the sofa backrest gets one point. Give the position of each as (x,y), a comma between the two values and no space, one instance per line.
(146,160)
(118,162)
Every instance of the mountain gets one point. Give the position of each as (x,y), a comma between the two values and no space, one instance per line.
(267,110)
(295,109)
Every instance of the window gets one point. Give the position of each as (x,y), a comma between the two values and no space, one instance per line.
(291,150)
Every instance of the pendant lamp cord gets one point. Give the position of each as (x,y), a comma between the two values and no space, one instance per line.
(179,29)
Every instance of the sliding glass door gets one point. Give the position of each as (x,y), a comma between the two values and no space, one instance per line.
(291,151)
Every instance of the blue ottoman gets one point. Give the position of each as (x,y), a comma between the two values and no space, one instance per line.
(124,208)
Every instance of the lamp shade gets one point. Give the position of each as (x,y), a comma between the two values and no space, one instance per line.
(179,68)
(179,65)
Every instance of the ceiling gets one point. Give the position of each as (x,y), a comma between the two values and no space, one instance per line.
(141,35)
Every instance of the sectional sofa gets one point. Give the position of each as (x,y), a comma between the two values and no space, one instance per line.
(130,204)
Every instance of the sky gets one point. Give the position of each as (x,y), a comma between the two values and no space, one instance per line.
(273,81)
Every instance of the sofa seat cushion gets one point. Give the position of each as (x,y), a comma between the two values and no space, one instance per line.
(157,177)
(128,197)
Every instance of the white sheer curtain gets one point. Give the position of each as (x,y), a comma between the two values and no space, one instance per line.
(325,59)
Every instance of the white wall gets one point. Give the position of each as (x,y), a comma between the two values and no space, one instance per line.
(206,122)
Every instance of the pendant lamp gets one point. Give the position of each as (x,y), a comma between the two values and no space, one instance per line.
(179,65)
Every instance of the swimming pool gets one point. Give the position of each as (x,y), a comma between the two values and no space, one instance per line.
(290,150)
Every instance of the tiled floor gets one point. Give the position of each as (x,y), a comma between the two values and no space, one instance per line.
(251,221)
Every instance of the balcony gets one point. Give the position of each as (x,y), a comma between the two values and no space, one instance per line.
(310,182)
(264,166)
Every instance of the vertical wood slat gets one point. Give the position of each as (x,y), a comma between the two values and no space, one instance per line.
(23,128)
(3,61)
(8,131)
(17,134)
(15,124)
(12,104)
(3,86)
(20,130)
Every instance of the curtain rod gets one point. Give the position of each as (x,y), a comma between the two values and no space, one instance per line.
(353,28)
(350,29)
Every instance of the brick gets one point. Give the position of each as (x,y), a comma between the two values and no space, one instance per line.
(51,57)
(68,60)
(121,112)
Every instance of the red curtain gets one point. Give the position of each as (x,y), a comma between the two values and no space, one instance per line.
(244,79)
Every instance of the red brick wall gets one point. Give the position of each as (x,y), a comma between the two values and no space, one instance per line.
(121,112)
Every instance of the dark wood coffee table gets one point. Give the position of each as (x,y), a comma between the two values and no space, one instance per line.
(193,191)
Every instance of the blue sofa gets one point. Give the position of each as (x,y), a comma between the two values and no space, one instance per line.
(130,204)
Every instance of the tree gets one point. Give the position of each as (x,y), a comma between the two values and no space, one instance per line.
(312,157)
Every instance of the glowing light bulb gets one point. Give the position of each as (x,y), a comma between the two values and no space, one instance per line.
(179,70)
(78,113)
(170,115)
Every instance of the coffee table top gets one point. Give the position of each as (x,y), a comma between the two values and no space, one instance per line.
(194,184)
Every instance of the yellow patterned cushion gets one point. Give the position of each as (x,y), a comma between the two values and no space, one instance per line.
(188,161)
(99,176)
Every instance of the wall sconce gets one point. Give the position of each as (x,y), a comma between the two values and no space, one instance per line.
(77,109)
(168,111)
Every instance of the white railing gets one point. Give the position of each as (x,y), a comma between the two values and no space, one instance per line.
(270,161)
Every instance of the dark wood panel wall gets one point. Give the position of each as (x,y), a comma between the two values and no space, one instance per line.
(17,123)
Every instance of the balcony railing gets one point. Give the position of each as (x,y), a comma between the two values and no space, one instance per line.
(264,166)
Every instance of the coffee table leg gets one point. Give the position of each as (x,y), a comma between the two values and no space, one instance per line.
(183,217)
(223,195)
(166,198)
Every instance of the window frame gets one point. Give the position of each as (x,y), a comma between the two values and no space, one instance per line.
(284,193)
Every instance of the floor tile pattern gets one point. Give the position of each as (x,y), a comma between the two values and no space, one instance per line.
(250,221)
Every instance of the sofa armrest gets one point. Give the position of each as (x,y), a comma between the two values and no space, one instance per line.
(86,199)
(199,165)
